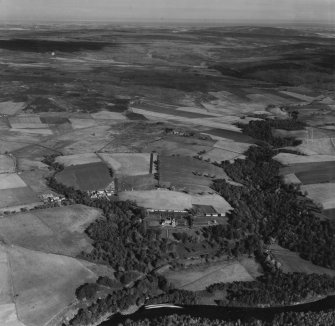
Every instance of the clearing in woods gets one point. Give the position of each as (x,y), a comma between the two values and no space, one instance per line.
(197,278)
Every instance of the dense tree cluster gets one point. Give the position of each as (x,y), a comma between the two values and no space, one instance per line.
(265,208)
(87,291)
(262,130)
(50,160)
(121,238)
(182,297)
(116,301)
(324,318)
(186,320)
(310,318)
(275,289)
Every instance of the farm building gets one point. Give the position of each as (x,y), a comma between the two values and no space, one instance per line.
(51,198)
(108,191)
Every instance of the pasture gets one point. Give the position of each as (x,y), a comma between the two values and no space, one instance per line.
(77,159)
(36,180)
(291,262)
(131,164)
(26,122)
(320,174)
(158,199)
(25,164)
(232,146)
(8,315)
(107,115)
(7,164)
(156,108)
(176,145)
(218,155)
(187,173)
(11,181)
(300,134)
(322,146)
(11,108)
(311,173)
(291,178)
(136,182)
(6,295)
(44,284)
(291,159)
(79,123)
(231,135)
(59,230)
(85,177)
(322,193)
(198,278)
(173,200)
(330,213)
(37,131)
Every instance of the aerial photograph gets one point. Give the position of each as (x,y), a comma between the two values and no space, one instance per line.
(167,163)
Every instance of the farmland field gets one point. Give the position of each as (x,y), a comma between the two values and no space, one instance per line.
(173,112)
(322,193)
(322,146)
(44,284)
(165,199)
(291,178)
(218,155)
(232,135)
(188,173)
(24,164)
(306,167)
(323,173)
(6,164)
(131,164)
(11,108)
(27,122)
(330,213)
(158,199)
(177,145)
(291,262)
(197,278)
(55,230)
(85,177)
(10,181)
(291,159)
(136,182)
(77,159)
(36,180)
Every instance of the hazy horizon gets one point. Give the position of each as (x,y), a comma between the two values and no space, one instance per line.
(165,11)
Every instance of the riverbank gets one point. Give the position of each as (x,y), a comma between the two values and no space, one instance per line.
(225,313)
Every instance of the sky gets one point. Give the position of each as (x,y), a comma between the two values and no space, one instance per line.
(168,10)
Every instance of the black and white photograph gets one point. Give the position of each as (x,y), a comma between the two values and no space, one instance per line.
(167,163)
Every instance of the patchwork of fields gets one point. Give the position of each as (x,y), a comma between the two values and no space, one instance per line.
(108,113)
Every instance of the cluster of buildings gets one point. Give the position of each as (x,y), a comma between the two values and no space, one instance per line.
(107,192)
(52,199)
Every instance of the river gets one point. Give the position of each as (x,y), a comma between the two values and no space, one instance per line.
(225,313)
